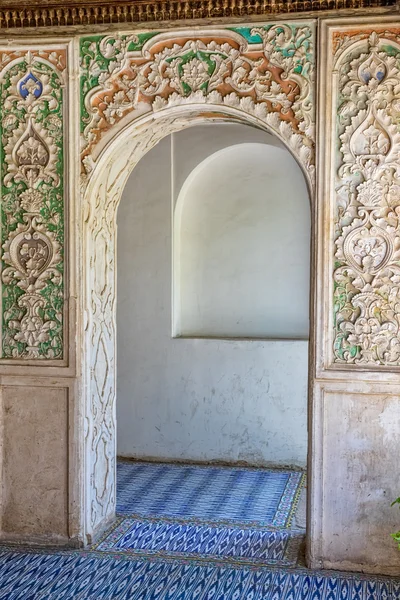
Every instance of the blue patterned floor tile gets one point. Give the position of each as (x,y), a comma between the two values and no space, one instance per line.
(88,576)
(220,494)
(205,533)
(168,538)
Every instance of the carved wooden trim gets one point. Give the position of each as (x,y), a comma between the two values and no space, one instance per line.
(46,13)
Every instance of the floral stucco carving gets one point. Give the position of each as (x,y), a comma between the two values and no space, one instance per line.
(367,228)
(265,71)
(32,204)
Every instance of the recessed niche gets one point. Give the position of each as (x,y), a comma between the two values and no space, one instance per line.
(242,246)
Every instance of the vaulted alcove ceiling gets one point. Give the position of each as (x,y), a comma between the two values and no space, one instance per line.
(77,13)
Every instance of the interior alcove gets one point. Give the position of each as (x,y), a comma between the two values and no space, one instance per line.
(241,238)
(230,400)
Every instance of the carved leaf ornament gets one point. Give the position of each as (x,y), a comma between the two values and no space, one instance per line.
(32,209)
(265,71)
(367,240)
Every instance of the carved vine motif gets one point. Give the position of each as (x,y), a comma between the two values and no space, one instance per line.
(367,269)
(101,201)
(265,71)
(32,208)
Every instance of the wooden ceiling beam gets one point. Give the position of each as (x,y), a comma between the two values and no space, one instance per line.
(18,14)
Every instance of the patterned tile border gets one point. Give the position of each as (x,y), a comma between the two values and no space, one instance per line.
(289,502)
(107,544)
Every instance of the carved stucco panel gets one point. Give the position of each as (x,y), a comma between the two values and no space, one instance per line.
(266,71)
(367,206)
(32,88)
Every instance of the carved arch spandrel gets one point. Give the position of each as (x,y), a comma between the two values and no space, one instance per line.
(263,71)
(366,203)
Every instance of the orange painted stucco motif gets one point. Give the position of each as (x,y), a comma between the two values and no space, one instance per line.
(341,39)
(266,71)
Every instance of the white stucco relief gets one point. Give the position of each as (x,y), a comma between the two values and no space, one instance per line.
(367,238)
(100,342)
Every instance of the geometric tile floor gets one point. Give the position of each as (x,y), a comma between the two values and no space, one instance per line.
(241,515)
(190,550)
(233,544)
(262,497)
(86,576)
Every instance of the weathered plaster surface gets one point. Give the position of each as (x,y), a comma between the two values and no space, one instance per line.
(353,465)
(206,399)
(35,463)
(359,479)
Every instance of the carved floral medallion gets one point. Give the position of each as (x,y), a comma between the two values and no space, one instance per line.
(367,227)
(32,220)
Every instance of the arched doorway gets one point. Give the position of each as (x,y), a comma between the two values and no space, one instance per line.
(212,351)
(102,197)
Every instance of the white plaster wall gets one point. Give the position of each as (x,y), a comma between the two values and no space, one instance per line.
(194,399)
(242,232)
